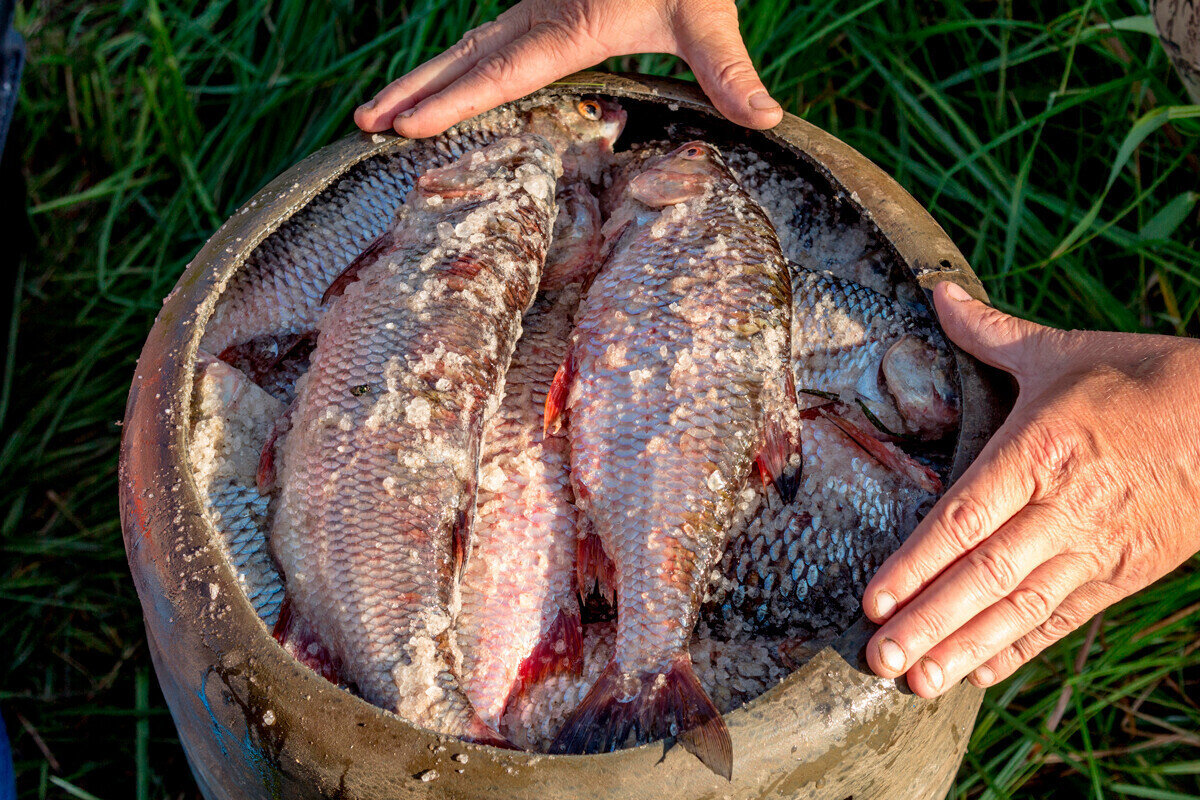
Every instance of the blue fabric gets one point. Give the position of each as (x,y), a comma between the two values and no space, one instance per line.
(8,781)
(12,61)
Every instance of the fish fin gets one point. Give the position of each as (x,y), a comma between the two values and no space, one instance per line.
(774,459)
(594,570)
(460,540)
(265,478)
(250,357)
(301,642)
(658,188)
(891,457)
(257,357)
(448,182)
(559,650)
(663,704)
(817,412)
(374,251)
(464,266)
(560,389)
(479,732)
(266,475)
(464,522)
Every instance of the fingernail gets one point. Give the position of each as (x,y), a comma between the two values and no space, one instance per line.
(367,106)
(761,101)
(956,292)
(892,655)
(983,677)
(933,672)
(884,605)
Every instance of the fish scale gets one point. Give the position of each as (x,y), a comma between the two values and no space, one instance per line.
(380,464)
(231,417)
(684,329)
(803,565)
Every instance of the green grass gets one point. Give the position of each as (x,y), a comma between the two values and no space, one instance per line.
(1041,138)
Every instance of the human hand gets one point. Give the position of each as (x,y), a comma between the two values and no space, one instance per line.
(1086,494)
(539,41)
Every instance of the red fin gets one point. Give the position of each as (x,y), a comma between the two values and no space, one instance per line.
(560,650)
(817,412)
(594,570)
(464,523)
(556,398)
(672,703)
(460,540)
(774,459)
(294,635)
(266,460)
(375,250)
(284,622)
(891,457)
(480,732)
(266,464)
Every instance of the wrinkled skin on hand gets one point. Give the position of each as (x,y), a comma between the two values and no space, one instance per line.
(539,41)
(1085,495)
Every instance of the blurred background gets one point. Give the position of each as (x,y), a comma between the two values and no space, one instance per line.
(1051,140)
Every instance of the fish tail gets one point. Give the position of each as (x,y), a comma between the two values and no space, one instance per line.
(459,717)
(649,706)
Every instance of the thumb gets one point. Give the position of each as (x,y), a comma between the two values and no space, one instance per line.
(708,39)
(1002,340)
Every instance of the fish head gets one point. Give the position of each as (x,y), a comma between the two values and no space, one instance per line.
(575,243)
(687,171)
(582,131)
(474,176)
(919,378)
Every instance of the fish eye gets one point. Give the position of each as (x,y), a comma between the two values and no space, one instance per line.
(693,153)
(589,109)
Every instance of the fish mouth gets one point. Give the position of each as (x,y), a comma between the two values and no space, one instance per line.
(615,118)
(660,187)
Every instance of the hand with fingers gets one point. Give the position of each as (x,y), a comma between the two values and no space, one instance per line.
(539,41)
(1086,494)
